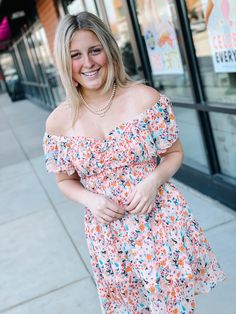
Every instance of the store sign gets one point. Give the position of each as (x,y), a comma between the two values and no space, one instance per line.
(160,37)
(221,28)
(163,49)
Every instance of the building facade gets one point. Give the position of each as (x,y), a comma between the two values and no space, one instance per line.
(185,49)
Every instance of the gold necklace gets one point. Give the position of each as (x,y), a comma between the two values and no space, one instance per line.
(101,111)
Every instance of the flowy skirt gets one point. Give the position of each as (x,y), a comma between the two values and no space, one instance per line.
(154,263)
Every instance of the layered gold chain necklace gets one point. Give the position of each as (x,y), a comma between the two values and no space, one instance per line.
(100,111)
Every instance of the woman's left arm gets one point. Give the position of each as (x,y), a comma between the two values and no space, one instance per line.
(142,197)
(170,163)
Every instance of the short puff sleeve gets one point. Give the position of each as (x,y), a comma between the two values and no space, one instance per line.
(57,154)
(162,125)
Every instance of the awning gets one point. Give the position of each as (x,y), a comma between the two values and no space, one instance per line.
(5,32)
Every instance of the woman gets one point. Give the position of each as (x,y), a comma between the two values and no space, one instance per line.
(114,145)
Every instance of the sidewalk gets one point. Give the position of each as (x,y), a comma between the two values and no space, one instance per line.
(44,263)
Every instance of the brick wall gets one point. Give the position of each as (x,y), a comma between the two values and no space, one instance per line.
(49,17)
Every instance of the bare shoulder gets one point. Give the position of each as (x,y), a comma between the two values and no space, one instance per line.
(144,96)
(58,119)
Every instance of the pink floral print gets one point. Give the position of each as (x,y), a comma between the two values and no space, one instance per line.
(152,263)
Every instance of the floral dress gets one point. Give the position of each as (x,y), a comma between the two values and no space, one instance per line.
(146,263)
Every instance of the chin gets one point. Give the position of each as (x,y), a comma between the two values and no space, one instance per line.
(93,86)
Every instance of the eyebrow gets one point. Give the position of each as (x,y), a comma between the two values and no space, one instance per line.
(95,46)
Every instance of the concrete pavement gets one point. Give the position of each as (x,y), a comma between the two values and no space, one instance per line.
(44,263)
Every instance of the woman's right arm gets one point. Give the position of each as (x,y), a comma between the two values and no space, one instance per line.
(101,207)
(72,188)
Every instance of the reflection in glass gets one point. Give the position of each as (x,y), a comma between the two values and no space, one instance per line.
(119,28)
(164,42)
(25,59)
(194,153)
(224,131)
(213,25)
(46,63)
(40,78)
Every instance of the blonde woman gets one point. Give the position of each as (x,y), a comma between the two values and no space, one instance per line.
(114,145)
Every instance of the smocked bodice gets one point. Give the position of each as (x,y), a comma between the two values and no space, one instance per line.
(127,154)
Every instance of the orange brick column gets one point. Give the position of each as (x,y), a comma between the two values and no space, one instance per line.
(49,17)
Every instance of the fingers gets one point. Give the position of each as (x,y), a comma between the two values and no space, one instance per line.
(115,208)
(132,205)
(112,214)
(108,215)
(147,209)
(105,219)
(150,208)
(141,206)
(108,218)
(131,195)
(132,200)
(101,220)
(109,212)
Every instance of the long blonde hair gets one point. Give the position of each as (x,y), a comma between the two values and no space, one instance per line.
(64,35)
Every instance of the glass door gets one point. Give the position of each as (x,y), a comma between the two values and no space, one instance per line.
(118,18)
(164,43)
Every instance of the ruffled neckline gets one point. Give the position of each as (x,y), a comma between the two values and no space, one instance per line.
(122,126)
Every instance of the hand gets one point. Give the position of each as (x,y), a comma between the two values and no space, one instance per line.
(105,210)
(142,196)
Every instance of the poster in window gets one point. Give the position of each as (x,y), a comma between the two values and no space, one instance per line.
(220,18)
(160,38)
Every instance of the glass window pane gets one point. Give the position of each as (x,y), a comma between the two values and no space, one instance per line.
(119,27)
(164,42)
(25,59)
(10,69)
(194,154)
(91,7)
(75,7)
(213,25)
(46,64)
(224,131)
(7,64)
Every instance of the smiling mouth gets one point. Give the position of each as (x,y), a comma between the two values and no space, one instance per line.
(91,73)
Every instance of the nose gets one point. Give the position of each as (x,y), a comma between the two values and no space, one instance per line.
(88,61)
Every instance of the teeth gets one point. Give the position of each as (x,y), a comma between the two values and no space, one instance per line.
(90,73)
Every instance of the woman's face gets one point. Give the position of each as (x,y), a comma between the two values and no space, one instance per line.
(89,60)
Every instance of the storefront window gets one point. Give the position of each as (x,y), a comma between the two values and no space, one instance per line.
(224,131)
(36,67)
(91,6)
(194,153)
(164,42)
(77,6)
(119,27)
(213,25)
(28,73)
(45,64)
(11,76)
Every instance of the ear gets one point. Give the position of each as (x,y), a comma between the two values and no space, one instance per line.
(75,83)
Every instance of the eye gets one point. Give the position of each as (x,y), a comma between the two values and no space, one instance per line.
(75,55)
(95,51)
